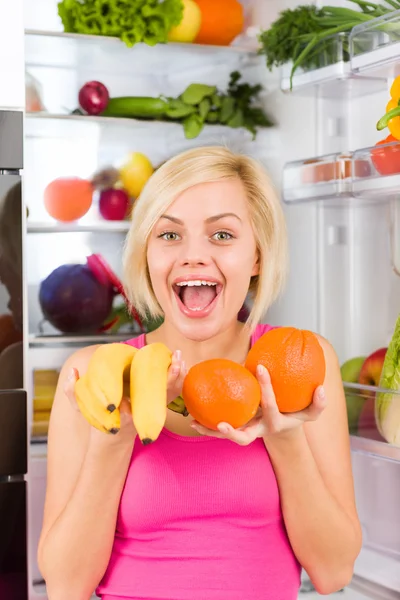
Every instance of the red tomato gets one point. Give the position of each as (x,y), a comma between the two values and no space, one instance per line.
(386,160)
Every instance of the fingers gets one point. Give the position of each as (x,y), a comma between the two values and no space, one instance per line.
(270,410)
(242,437)
(317,407)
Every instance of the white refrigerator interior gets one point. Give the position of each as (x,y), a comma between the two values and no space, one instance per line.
(343,228)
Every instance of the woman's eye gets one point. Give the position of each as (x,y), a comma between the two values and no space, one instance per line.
(169,236)
(222,236)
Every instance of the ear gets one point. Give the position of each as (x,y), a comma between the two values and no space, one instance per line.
(256,266)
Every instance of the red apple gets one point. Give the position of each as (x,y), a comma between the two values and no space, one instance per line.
(114,204)
(93,97)
(371,369)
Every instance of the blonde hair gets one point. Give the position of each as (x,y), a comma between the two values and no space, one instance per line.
(176,175)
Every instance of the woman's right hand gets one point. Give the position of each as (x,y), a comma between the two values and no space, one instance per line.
(126,435)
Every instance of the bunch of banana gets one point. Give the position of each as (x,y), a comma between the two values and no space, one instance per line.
(99,392)
(117,370)
(178,406)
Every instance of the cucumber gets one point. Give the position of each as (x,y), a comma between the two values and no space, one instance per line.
(144,107)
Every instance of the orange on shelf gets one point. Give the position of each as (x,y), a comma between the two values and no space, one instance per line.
(67,199)
(221,21)
(296,363)
(220,390)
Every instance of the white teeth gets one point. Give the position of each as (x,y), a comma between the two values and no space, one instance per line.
(196,282)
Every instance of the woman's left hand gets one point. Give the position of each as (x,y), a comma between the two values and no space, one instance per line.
(269,421)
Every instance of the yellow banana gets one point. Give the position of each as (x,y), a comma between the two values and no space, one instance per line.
(149,371)
(108,368)
(93,410)
(178,406)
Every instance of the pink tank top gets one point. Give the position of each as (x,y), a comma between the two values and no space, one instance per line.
(200,519)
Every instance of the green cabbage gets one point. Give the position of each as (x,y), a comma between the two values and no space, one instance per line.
(387,404)
(133,21)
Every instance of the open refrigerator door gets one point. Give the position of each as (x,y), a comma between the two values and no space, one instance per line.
(340,193)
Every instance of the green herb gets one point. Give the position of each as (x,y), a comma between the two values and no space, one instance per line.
(133,21)
(197,105)
(305,35)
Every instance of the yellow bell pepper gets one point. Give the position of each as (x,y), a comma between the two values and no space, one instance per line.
(391,119)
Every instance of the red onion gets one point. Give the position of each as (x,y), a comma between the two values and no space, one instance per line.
(93,97)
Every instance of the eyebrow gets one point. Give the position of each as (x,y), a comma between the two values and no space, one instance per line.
(212,219)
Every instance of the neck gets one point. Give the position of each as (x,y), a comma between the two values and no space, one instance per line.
(233,343)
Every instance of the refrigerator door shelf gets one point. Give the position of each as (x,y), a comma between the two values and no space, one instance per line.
(375,47)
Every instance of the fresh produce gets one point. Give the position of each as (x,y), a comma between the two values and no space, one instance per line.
(316,170)
(350,371)
(114,204)
(385,157)
(391,119)
(73,300)
(68,198)
(148,385)
(387,405)
(133,21)
(296,364)
(105,275)
(221,21)
(220,390)
(189,27)
(197,105)
(371,369)
(367,426)
(93,97)
(99,392)
(304,34)
(178,406)
(135,173)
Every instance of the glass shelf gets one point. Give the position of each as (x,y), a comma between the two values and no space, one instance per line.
(71,50)
(375,46)
(373,434)
(49,125)
(371,173)
(330,73)
(321,177)
(100,227)
(77,340)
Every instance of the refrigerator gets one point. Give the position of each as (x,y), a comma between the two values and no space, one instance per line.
(342,215)
(13,397)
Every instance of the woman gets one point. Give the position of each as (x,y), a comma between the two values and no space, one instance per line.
(232,517)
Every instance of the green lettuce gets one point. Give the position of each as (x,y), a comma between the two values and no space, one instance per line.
(133,21)
(387,404)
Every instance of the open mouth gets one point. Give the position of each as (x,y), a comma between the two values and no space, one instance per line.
(197,297)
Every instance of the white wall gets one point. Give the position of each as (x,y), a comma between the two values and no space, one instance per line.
(12,89)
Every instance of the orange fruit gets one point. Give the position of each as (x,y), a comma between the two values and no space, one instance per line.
(221,21)
(296,364)
(219,390)
(68,198)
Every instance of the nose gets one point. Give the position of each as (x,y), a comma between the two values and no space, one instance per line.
(195,253)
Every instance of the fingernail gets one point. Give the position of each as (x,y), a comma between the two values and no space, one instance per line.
(177,354)
(321,393)
(261,370)
(223,428)
(71,375)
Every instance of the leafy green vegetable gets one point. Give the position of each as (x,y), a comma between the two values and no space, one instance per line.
(387,404)
(304,35)
(133,21)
